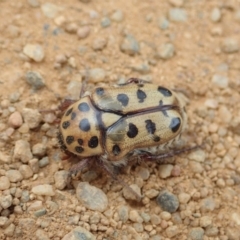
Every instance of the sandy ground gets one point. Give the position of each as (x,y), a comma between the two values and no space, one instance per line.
(48,48)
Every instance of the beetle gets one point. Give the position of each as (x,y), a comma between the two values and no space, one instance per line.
(112,125)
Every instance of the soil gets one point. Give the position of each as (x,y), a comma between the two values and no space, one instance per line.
(48,48)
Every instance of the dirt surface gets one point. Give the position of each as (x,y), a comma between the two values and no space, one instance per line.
(48,48)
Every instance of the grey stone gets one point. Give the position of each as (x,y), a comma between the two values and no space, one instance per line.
(167,201)
(177,15)
(92,197)
(34,51)
(196,233)
(79,233)
(35,79)
(130,45)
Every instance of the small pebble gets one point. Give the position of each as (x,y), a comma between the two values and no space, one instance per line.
(91,197)
(71,27)
(14,176)
(99,43)
(117,16)
(40,212)
(163,23)
(155,219)
(216,15)
(3,221)
(207,204)
(41,235)
(220,81)
(134,216)
(123,213)
(33,3)
(43,162)
(205,221)
(35,79)
(44,189)
(165,170)
(138,227)
(167,201)
(32,117)
(172,231)
(177,15)
(105,22)
(73,220)
(97,75)
(130,45)
(50,10)
(61,179)
(15,120)
(196,167)
(9,231)
(184,198)
(26,171)
(33,163)
(83,32)
(225,115)
(34,51)
(151,193)
(79,233)
(72,62)
(25,196)
(165,51)
(198,155)
(211,103)
(177,3)
(74,88)
(196,233)
(4,183)
(230,45)
(143,173)
(39,149)
(35,206)
(211,231)
(6,201)
(14,97)
(127,194)
(4,158)
(22,151)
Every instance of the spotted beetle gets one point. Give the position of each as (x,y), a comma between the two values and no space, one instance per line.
(113,125)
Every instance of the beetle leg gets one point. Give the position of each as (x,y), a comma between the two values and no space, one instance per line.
(78,167)
(137,81)
(158,158)
(109,168)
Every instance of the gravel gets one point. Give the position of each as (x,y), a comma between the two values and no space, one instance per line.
(177,15)
(15,120)
(167,201)
(91,197)
(79,233)
(130,45)
(34,52)
(44,189)
(22,151)
(32,117)
(35,80)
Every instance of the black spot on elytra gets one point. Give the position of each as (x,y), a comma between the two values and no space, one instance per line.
(83,107)
(73,115)
(69,139)
(123,98)
(141,95)
(175,124)
(132,131)
(93,142)
(68,112)
(150,126)
(80,141)
(84,125)
(116,149)
(61,142)
(156,138)
(65,124)
(99,91)
(164,91)
(79,149)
